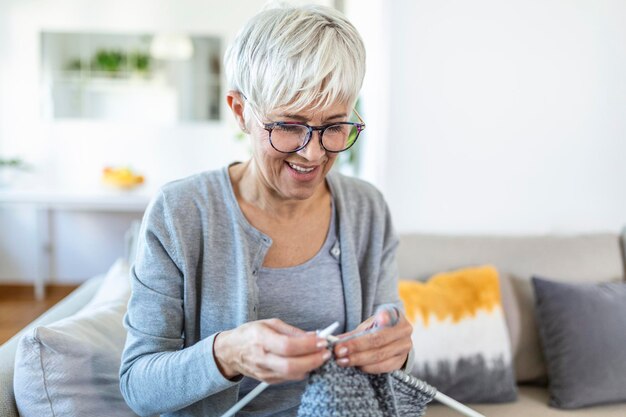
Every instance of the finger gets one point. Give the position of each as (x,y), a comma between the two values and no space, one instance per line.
(381,319)
(374,356)
(261,366)
(288,346)
(367,342)
(375,340)
(284,328)
(252,342)
(390,365)
(386,317)
(295,368)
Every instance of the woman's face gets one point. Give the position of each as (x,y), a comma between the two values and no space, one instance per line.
(294,176)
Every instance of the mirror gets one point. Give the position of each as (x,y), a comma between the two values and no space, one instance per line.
(160,78)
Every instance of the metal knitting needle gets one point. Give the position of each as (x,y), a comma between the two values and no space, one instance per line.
(261,387)
(455,405)
(394,317)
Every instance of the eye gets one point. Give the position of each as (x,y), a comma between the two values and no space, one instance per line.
(290,128)
(336,128)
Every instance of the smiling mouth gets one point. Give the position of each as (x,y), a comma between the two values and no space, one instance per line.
(299,168)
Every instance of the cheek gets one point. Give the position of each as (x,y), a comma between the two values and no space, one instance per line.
(332,157)
(265,155)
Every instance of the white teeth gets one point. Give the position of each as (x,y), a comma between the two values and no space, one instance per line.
(299,168)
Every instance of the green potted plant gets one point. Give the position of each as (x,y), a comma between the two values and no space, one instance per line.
(139,62)
(109,62)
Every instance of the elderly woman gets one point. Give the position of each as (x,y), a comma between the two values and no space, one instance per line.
(237,267)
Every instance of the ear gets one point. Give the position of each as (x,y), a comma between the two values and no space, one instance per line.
(237,105)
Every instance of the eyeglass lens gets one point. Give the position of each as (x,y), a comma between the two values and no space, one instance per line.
(335,138)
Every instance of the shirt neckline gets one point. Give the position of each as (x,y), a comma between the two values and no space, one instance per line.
(329,242)
(232,200)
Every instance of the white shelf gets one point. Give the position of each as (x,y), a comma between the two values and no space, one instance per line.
(97,199)
(50,199)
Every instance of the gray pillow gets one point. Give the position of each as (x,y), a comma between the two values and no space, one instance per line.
(583,334)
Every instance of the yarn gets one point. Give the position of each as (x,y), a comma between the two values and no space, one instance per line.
(334,391)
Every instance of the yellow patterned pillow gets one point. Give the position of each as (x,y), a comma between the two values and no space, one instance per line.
(459,334)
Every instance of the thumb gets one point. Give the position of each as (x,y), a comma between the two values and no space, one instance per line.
(382,319)
(386,315)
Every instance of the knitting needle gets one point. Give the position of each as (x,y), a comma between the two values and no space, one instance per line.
(455,405)
(394,317)
(324,334)
(439,396)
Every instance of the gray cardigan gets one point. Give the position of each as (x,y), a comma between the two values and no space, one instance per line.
(194,276)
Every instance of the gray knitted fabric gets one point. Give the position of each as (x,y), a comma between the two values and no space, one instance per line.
(333,391)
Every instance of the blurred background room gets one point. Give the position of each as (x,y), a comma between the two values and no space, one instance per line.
(483,117)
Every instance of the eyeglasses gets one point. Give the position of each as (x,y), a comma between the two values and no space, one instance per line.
(290,137)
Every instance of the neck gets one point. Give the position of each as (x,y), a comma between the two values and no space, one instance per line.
(251,188)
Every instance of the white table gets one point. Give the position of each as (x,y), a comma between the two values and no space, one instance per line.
(48,200)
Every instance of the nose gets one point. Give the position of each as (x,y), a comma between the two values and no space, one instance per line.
(313,151)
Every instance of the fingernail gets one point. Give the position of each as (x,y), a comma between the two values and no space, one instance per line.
(343,361)
(343,351)
(322,344)
(326,355)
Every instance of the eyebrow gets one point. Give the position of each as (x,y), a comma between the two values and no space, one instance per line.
(304,119)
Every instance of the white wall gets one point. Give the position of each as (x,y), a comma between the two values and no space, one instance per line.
(484,116)
(72,154)
(4,13)
(504,116)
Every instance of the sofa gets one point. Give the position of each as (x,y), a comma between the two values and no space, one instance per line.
(586,258)
(581,258)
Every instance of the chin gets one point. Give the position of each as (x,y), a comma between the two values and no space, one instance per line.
(300,192)
(298,189)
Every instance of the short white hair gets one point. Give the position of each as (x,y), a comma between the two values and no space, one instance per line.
(296,58)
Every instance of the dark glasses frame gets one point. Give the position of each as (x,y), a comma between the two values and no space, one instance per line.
(360,126)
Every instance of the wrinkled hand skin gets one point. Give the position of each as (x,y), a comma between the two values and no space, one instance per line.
(385,350)
(270,351)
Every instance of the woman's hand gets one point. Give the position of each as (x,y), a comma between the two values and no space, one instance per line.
(385,350)
(270,351)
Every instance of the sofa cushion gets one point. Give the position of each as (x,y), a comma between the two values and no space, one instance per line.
(583,334)
(512,311)
(114,289)
(460,340)
(70,367)
(623,246)
(68,306)
(575,258)
(531,402)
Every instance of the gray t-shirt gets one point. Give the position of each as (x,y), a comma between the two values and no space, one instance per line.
(317,286)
